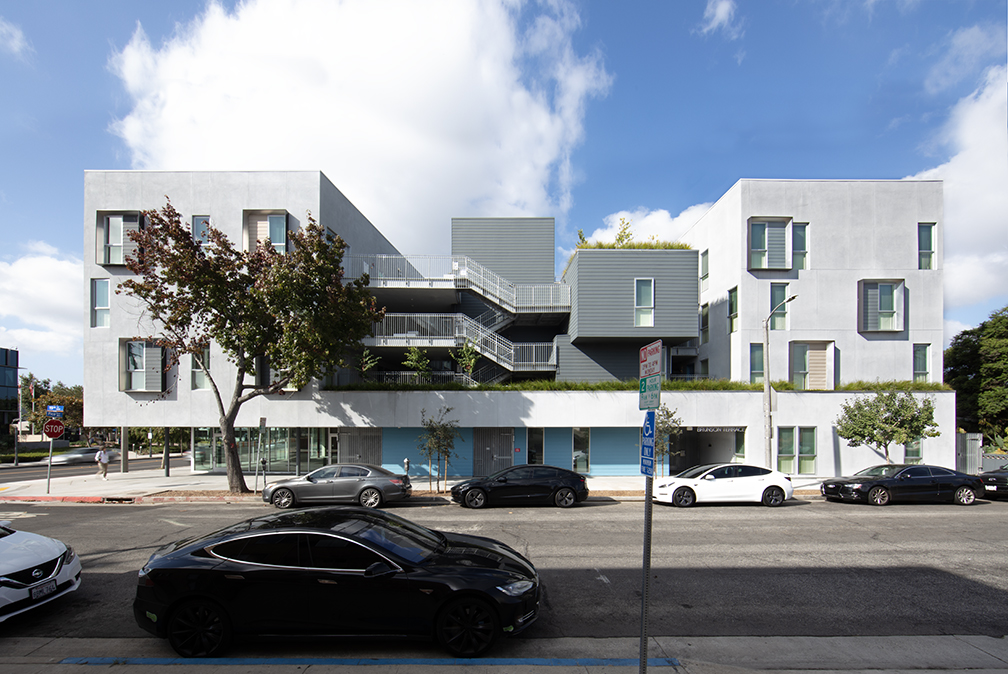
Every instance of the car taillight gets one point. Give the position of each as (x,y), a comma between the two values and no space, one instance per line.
(787,477)
(395,480)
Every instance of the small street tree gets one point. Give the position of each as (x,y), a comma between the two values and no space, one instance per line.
(293,311)
(887,418)
(667,427)
(466,357)
(437,442)
(417,360)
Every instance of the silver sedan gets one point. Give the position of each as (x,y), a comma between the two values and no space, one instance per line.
(81,455)
(370,486)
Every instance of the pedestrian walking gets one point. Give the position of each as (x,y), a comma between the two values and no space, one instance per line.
(102,459)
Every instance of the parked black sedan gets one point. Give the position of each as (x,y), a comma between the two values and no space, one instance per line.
(995,482)
(338,571)
(519,485)
(369,486)
(893,482)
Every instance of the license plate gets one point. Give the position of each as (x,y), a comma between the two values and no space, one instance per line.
(43,590)
(990,487)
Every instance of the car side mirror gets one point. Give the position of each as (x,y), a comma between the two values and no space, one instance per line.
(378,570)
(502,479)
(309,478)
(708,477)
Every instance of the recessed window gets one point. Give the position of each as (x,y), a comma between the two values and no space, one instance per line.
(912,452)
(799,362)
(114,242)
(582,450)
(705,324)
(141,366)
(199,377)
(100,303)
(778,293)
(881,306)
(704,368)
(920,363)
(799,247)
(536,437)
(704,273)
(260,226)
(925,246)
(768,245)
(739,446)
(756,363)
(278,232)
(644,303)
(806,446)
(733,310)
(200,225)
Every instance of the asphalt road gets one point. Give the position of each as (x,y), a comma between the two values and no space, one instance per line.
(36,470)
(808,568)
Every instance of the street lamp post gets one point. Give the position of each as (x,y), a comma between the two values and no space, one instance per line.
(767,420)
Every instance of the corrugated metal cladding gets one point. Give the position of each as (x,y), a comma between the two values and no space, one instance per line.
(597,362)
(519,249)
(604,293)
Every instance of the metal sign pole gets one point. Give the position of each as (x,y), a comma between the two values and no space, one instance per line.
(650,399)
(49,467)
(646,579)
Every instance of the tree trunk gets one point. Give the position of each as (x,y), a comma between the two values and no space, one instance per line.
(236,478)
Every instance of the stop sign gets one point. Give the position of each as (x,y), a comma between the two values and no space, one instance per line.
(53,428)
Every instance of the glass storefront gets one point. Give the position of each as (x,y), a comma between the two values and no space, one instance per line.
(284,450)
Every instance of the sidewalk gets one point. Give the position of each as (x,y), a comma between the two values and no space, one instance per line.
(151,486)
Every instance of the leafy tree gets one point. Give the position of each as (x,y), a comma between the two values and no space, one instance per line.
(73,407)
(667,427)
(437,442)
(367,362)
(889,417)
(962,372)
(992,402)
(293,310)
(466,357)
(417,360)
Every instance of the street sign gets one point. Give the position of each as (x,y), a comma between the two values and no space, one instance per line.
(650,359)
(53,428)
(648,444)
(650,393)
(54,411)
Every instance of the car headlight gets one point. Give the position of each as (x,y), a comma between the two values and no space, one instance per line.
(856,485)
(69,555)
(517,588)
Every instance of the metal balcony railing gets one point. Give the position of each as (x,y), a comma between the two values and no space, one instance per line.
(459,272)
(453,330)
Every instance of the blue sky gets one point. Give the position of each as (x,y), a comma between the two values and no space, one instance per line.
(587,111)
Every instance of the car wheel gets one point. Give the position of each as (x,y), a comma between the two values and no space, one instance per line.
(283,498)
(475,498)
(564,497)
(965,496)
(878,496)
(199,629)
(468,627)
(370,498)
(683,497)
(773,496)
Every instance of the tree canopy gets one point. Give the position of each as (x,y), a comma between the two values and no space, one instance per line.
(976,366)
(887,418)
(291,310)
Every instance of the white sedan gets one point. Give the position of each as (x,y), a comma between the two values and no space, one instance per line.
(33,570)
(724,483)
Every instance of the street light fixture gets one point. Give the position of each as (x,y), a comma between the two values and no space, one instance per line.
(767,421)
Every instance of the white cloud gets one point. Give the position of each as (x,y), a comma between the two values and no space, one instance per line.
(12,40)
(417,111)
(720,15)
(968,50)
(976,199)
(45,294)
(951,329)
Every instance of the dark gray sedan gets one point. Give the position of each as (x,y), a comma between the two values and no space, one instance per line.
(370,486)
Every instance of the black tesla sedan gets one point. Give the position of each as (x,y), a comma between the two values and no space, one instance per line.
(519,485)
(995,482)
(339,571)
(893,482)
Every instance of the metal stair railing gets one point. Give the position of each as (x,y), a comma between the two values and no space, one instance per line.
(455,330)
(460,272)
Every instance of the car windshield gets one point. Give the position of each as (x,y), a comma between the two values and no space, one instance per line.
(697,471)
(405,539)
(879,471)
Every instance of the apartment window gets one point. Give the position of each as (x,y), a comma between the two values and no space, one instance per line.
(582,454)
(704,274)
(644,303)
(799,366)
(756,363)
(778,293)
(920,362)
(739,447)
(536,445)
(115,244)
(912,452)
(799,247)
(733,310)
(199,377)
(768,245)
(881,306)
(278,232)
(99,303)
(705,324)
(925,246)
(200,225)
(141,366)
(704,368)
(806,446)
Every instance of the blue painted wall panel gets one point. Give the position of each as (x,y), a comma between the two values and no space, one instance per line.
(615,451)
(558,447)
